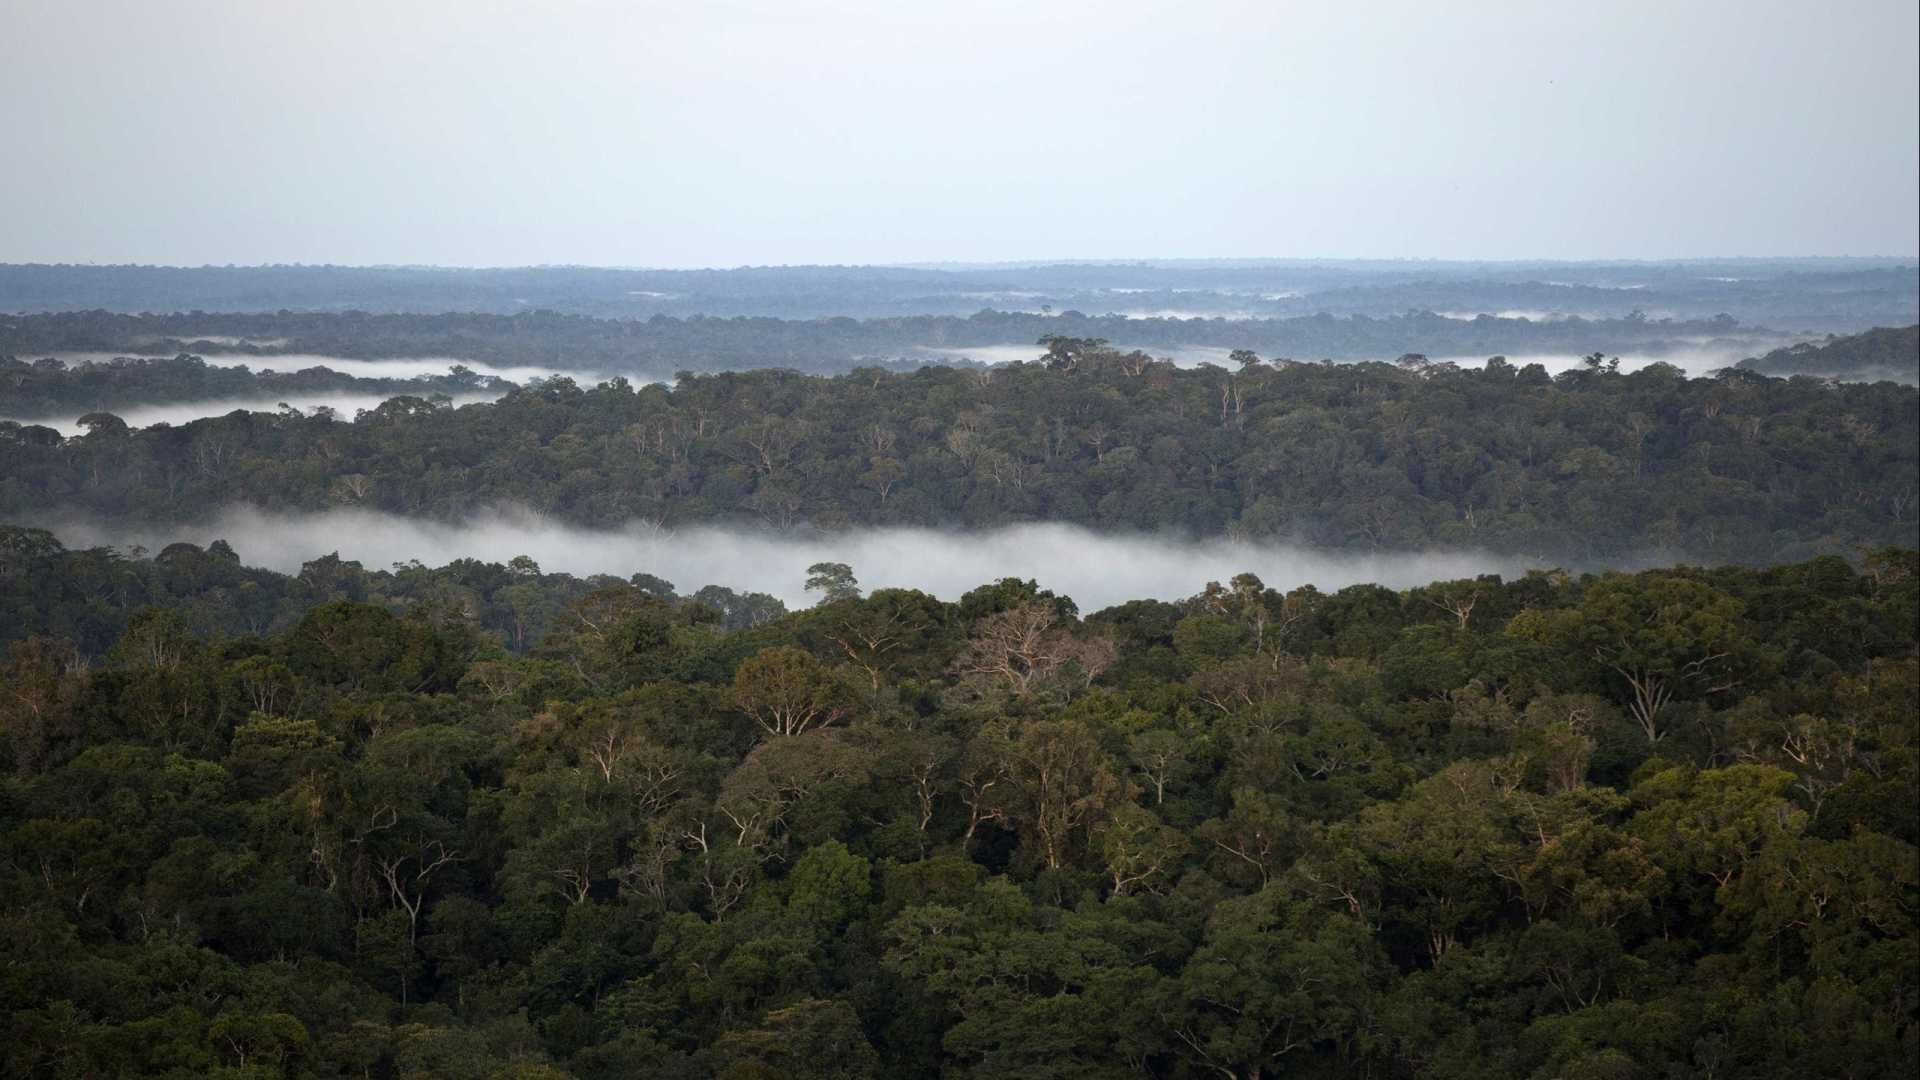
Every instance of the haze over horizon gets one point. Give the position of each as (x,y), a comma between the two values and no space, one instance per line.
(852,132)
(1201,261)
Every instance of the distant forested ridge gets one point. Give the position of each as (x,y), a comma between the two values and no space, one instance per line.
(656,347)
(51,387)
(1588,465)
(1880,353)
(87,597)
(1650,825)
(1833,294)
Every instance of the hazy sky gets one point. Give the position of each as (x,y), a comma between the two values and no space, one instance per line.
(720,133)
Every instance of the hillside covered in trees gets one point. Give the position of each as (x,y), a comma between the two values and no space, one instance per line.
(656,347)
(50,387)
(1880,353)
(1656,825)
(87,597)
(1586,466)
(1798,294)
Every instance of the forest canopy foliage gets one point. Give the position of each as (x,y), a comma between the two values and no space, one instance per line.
(483,820)
(1880,353)
(87,597)
(50,387)
(1652,825)
(655,347)
(1588,465)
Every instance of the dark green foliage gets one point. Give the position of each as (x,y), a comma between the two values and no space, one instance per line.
(657,346)
(1880,353)
(92,390)
(1437,833)
(1582,468)
(88,597)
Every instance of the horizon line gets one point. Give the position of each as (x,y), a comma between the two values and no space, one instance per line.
(942,265)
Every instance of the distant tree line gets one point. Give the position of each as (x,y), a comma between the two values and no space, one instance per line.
(49,386)
(657,346)
(87,597)
(1880,353)
(1586,466)
(1786,294)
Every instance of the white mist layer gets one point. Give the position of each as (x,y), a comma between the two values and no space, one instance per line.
(1185,313)
(398,367)
(229,339)
(1097,570)
(1529,314)
(406,367)
(985,354)
(1693,362)
(1183,356)
(184,412)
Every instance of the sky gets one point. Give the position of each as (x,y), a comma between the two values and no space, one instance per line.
(742,132)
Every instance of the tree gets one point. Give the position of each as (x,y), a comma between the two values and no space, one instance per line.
(883,474)
(40,683)
(884,629)
(1274,982)
(1163,756)
(788,692)
(103,426)
(829,885)
(267,1040)
(1715,822)
(834,581)
(1065,785)
(1067,353)
(1139,849)
(1021,648)
(808,1040)
(1456,598)
(1664,637)
(755,798)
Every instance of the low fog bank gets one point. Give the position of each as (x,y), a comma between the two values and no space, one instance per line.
(401,367)
(1097,570)
(1184,356)
(398,367)
(1695,361)
(184,412)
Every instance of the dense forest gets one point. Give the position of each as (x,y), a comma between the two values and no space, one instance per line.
(1587,466)
(1813,294)
(87,597)
(51,387)
(1652,825)
(428,655)
(484,820)
(655,347)
(1880,353)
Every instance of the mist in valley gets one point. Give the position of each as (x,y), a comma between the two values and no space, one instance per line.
(394,367)
(1097,570)
(344,406)
(1695,359)
(343,403)
(1695,362)
(1184,356)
